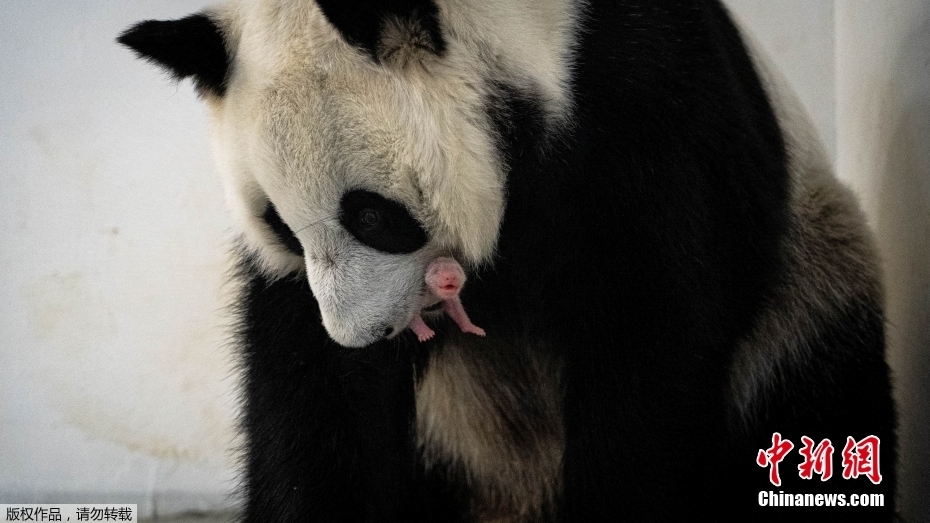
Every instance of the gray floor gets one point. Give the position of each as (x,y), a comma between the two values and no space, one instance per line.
(194,518)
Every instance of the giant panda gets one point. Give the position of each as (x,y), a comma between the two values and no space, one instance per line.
(668,273)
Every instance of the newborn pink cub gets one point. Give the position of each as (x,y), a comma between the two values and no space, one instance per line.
(444,281)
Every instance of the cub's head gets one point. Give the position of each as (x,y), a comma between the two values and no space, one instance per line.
(354,140)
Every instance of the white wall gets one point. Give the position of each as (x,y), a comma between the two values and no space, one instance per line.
(113,377)
(883,138)
(863,71)
(114,373)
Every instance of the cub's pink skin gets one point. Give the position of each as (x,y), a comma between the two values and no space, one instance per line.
(444,281)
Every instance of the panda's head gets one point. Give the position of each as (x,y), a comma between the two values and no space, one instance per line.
(354,142)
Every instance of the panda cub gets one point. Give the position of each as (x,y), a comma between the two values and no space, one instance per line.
(444,280)
(671,281)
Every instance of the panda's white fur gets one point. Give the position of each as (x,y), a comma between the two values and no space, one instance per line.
(305,117)
(461,408)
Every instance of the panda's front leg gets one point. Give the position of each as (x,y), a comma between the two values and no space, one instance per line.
(455,310)
(328,428)
(421,329)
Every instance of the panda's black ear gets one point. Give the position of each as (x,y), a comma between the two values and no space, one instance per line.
(190,47)
(380,27)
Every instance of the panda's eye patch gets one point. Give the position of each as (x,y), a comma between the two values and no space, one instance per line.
(380,223)
(281,230)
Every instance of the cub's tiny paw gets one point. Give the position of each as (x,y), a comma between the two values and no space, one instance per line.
(475,330)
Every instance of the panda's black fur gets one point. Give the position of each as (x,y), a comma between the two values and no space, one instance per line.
(645,247)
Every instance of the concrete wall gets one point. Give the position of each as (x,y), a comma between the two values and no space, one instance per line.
(863,71)
(883,141)
(114,373)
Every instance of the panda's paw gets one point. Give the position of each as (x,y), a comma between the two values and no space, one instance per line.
(474,329)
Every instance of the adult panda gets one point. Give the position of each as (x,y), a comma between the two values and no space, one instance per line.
(667,272)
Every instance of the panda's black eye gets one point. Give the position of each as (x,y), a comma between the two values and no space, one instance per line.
(380,223)
(369,218)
